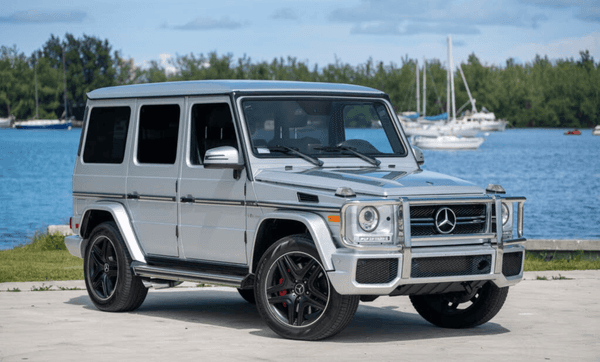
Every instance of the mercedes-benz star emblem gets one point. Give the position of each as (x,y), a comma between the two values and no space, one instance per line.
(445,220)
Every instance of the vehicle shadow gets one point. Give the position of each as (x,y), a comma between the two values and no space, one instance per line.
(224,308)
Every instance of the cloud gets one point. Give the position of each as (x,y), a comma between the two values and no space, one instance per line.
(389,28)
(284,14)
(560,49)
(588,10)
(165,62)
(44,16)
(206,23)
(390,17)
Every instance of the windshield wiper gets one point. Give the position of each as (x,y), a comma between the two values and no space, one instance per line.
(285,149)
(373,161)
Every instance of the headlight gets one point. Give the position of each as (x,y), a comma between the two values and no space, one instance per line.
(505,214)
(368,218)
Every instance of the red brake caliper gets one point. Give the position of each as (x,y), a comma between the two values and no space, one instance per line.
(283,292)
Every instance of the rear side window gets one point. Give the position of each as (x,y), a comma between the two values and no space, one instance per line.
(106,135)
(157,138)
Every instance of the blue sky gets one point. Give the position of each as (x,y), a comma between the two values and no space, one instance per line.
(314,31)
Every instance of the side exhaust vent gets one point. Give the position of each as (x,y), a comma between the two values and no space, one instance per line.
(302,197)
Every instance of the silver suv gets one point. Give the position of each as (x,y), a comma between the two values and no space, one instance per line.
(273,188)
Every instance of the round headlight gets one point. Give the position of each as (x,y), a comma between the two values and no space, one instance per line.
(505,214)
(368,218)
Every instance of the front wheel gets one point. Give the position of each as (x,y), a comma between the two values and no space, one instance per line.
(293,293)
(461,310)
(110,283)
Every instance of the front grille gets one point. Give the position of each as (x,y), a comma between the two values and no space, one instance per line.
(376,271)
(451,266)
(511,264)
(470,219)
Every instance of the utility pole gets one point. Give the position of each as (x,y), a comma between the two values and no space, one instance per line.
(65,82)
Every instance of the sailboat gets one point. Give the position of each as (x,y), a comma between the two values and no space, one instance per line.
(46,123)
(451,135)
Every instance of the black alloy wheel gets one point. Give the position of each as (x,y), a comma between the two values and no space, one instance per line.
(297,289)
(461,309)
(103,269)
(109,280)
(294,295)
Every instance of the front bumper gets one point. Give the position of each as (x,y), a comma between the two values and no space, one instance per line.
(465,264)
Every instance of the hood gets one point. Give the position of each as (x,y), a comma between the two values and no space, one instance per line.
(372,182)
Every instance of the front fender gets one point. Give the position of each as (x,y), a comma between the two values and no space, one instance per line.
(317,227)
(121,218)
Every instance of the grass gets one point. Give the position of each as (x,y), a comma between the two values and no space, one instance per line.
(44,258)
(575,262)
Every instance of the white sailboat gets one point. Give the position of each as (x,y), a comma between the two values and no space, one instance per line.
(452,135)
(448,142)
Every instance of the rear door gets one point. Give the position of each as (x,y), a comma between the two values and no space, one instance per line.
(153,172)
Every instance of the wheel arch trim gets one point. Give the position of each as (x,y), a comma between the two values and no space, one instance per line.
(121,218)
(316,226)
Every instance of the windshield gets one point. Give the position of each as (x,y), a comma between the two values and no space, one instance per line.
(321,128)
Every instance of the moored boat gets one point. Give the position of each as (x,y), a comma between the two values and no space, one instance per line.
(596,131)
(448,142)
(5,122)
(44,124)
(574,132)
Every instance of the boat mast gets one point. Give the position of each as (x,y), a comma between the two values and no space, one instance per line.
(37,113)
(65,82)
(418,102)
(424,86)
(451,69)
(448,92)
(468,91)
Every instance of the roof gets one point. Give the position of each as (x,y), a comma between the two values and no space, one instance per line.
(204,87)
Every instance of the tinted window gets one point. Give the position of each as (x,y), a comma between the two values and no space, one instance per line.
(212,126)
(157,138)
(106,135)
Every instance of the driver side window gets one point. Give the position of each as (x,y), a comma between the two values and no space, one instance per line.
(212,126)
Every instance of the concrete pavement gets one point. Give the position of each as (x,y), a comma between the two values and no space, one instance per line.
(542,320)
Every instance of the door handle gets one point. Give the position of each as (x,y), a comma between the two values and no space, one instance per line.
(187,199)
(133,196)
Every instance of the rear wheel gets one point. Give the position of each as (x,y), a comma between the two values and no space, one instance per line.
(294,295)
(461,310)
(110,283)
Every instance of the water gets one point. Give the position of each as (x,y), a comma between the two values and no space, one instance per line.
(35,181)
(559,175)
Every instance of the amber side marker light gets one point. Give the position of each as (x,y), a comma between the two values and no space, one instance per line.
(333,218)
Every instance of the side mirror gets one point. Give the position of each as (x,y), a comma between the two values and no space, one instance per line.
(418,155)
(223,157)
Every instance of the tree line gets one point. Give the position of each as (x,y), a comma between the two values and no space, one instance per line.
(540,93)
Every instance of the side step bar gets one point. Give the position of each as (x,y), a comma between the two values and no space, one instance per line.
(149,271)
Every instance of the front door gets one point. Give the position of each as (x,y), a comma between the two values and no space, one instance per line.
(212,202)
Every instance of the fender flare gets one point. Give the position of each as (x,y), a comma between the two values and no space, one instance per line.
(121,218)
(317,227)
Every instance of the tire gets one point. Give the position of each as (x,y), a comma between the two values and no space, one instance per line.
(461,310)
(248,295)
(110,283)
(293,293)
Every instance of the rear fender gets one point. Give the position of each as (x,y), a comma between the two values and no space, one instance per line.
(122,220)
